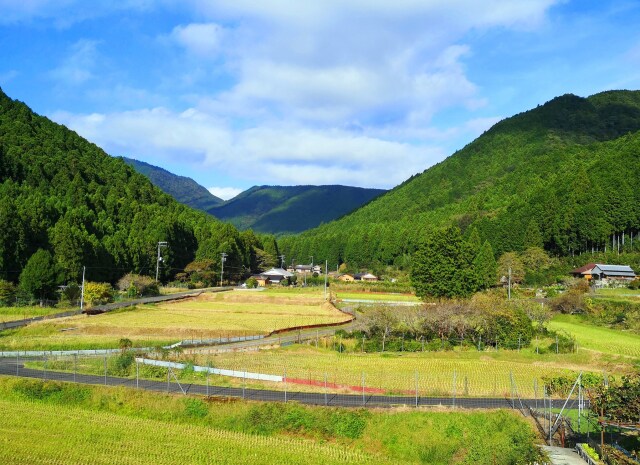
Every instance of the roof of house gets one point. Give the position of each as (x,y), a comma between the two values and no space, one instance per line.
(277,272)
(614,270)
(583,269)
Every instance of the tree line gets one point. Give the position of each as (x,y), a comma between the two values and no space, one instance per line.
(65,205)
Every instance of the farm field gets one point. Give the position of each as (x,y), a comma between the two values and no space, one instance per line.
(206,316)
(390,297)
(47,422)
(19,313)
(598,338)
(475,374)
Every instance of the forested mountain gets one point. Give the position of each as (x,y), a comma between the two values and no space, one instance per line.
(64,195)
(565,175)
(291,209)
(184,190)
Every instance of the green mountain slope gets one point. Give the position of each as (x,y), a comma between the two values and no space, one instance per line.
(63,194)
(569,169)
(184,190)
(291,209)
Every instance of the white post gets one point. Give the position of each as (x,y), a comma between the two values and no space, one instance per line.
(82,292)
(509,283)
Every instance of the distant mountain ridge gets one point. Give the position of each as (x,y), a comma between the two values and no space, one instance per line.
(185,190)
(566,173)
(265,209)
(291,209)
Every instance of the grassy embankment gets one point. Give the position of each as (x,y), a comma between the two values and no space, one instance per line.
(598,338)
(73,424)
(207,316)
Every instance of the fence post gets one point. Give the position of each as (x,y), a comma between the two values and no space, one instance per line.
(137,375)
(416,389)
(17,362)
(284,378)
(75,366)
(244,381)
(325,388)
(208,370)
(168,374)
(44,373)
(105,370)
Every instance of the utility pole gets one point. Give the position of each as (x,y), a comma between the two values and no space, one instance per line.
(159,259)
(223,259)
(82,293)
(509,283)
(282,261)
(326,264)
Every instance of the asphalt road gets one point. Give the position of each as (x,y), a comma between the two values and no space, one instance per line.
(13,367)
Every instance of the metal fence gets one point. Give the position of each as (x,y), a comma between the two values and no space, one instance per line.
(179,377)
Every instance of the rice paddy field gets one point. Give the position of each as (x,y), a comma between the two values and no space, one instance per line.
(19,313)
(598,338)
(233,313)
(459,373)
(59,423)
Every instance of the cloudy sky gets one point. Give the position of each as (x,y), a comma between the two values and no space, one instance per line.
(235,93)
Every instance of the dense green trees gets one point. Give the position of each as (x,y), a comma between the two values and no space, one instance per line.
(39,277)
(63,199)
(563,177)
(447,265)
(443,266)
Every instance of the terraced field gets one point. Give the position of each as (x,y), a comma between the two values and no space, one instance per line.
(207,316)
(598,338)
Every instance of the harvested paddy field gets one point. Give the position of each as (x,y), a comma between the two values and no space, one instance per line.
(235,313)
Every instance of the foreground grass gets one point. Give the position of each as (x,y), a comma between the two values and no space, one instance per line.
(598,338)
(64,423)
(207,316)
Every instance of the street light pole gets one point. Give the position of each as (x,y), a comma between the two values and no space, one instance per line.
(159,259)
(223,259)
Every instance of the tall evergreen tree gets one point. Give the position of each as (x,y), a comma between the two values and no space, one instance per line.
(39,276)
(485,266)
(443,266)
(533,236)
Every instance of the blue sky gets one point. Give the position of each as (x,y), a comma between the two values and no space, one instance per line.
(235,93)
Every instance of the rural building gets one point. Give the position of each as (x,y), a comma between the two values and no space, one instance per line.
(613,273)
(365,277)
(583,271)
(277,275)
(346,277)
(262,280)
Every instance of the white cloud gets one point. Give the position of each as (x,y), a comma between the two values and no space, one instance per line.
(225,193)
(281,153)
(203,39)
(77,68)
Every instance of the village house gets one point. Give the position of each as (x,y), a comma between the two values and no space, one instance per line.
(605,274)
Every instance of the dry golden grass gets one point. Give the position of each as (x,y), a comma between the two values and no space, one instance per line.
(206,316)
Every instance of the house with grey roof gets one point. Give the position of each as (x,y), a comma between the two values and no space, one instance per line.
(606,273)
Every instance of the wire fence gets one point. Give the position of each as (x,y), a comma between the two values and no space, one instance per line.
(125,369)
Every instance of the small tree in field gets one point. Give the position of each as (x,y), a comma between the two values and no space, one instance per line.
(39,276)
